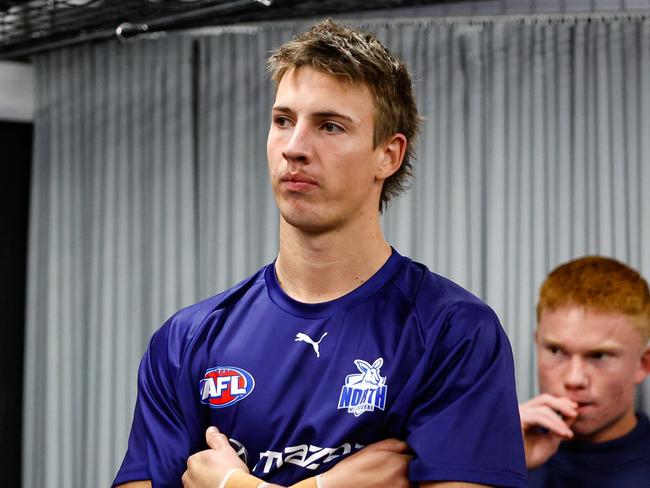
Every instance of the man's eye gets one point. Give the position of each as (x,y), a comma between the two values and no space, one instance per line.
(281,121)
(598,355)
(331,127)
(553,350)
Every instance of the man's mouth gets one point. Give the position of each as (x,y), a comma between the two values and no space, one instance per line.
(583,405)
(298,182)
(298,178)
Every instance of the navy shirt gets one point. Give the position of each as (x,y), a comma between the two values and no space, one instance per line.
(298,386)
(620,463)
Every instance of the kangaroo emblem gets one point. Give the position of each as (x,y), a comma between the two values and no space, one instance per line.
(366,390)
(368,377)
(302,337)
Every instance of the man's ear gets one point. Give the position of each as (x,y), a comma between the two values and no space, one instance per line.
(644,367)
(392,155)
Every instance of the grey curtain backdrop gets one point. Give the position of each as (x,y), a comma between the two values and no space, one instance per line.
(112,246)
(150,192)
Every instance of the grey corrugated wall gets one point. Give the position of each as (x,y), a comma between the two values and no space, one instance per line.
(112,246)
(150,192)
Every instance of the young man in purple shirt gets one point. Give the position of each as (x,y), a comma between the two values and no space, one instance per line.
(341,342)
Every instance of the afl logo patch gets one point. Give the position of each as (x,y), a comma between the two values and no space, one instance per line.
(224,386)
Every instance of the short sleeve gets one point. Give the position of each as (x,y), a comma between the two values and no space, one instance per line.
(464,425)
(159,443)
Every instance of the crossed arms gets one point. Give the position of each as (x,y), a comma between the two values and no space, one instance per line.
(380,465)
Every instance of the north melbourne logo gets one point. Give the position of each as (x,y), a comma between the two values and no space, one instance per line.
(364,391)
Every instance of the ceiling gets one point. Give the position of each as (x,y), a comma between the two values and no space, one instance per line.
(31,26)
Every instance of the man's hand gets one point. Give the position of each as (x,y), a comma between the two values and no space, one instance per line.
(545,422)
(207,468)
(379,465)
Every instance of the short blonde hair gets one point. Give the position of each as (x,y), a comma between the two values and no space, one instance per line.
(599,283)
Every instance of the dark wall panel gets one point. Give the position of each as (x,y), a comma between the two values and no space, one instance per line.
(16,149)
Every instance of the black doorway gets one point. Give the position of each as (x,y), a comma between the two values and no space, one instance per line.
(16,147)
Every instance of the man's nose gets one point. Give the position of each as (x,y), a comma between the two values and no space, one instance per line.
(576,376)
(298,147)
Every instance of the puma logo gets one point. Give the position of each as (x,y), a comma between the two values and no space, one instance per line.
(302,337)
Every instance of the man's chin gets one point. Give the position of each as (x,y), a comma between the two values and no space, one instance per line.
(589,429)
(306,226)
(583,432)
(307,222)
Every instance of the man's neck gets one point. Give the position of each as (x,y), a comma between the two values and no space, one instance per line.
(313,268)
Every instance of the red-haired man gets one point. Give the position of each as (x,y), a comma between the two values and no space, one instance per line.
(592,353)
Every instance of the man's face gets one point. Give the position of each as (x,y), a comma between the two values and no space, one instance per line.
(596,360)
(323,167)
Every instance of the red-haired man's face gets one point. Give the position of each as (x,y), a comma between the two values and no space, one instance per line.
(595,359)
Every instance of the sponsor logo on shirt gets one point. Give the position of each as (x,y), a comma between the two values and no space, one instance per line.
(240,449)
(304,455)
(224,386)
(302,337)
(366,390)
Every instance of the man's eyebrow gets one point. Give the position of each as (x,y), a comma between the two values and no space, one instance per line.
(607,346)
(330,114)
(280,108)
(549,341)
(319,115)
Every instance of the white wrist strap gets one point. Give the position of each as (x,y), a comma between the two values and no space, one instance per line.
(225,479)
(319,481)
(263,484)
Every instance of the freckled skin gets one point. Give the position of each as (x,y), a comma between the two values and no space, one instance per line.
(595,359)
